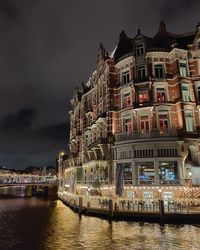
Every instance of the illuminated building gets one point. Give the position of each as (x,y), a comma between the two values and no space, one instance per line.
(135,125)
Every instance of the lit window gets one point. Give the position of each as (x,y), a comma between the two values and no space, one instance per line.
(125,77)
(142,95)
(140,49)
(128,125)
(160,95)
(183,69)
(189,121)
(144,123)
(159,71)
(168,172)
(126,100)
(127,173)
(146,172)
(163,122)
(141,72)
(185,92)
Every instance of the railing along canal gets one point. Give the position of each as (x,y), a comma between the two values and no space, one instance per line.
(179,205)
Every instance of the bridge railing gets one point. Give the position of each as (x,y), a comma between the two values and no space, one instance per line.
(27,179)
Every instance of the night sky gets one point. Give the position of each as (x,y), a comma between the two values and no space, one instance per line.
(47,47)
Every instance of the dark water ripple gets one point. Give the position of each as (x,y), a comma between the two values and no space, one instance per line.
(33,223)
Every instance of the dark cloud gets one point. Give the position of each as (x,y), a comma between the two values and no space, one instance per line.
(19,121)
(48,47)
(55,131)
(32,146)
(8,10)
(182,7)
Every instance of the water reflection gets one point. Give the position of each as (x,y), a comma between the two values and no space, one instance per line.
(48,224)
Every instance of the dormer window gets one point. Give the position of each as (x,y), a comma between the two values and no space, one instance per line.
(159,71)
(140,49)
(125,77)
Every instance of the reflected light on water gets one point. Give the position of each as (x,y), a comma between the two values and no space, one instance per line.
(46,224)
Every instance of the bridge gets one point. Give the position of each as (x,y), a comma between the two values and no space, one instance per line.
(26,179)
(32,184)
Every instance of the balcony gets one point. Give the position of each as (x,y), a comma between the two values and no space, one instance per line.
(189,134)
(98,142)
(154,182)
(143,79)
(146,134)
(142,104)
(171,182)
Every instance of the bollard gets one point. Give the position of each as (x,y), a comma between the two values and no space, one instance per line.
(80,205)
(88,204)
(128,204)
(161,209)
(110,206)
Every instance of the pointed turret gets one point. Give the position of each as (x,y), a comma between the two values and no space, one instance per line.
(162,27)
(102,52)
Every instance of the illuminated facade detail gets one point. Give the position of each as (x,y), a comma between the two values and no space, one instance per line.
(136,123)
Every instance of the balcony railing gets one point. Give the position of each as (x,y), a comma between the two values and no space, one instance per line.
(145,134)
(154,182)
(191,134)
(142,104)
(171,182)
(97,143)
(142,79)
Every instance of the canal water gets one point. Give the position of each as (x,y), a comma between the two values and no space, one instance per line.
(36,223)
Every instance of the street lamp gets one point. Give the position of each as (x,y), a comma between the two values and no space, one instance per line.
(160,190)
(60,168)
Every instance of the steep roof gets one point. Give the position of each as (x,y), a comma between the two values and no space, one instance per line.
(124,46)
(165,40)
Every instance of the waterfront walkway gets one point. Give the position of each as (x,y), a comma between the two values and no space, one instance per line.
(179,210)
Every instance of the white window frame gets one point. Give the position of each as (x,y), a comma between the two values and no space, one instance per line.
(182,73)
(189,127)
(140,49)
(143,91)
(164,91)
(163,68)
(125,74)
(124,95)
(141,68)
(168,119)
(186,95)
(145,130)
(197,86)
(127,124)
